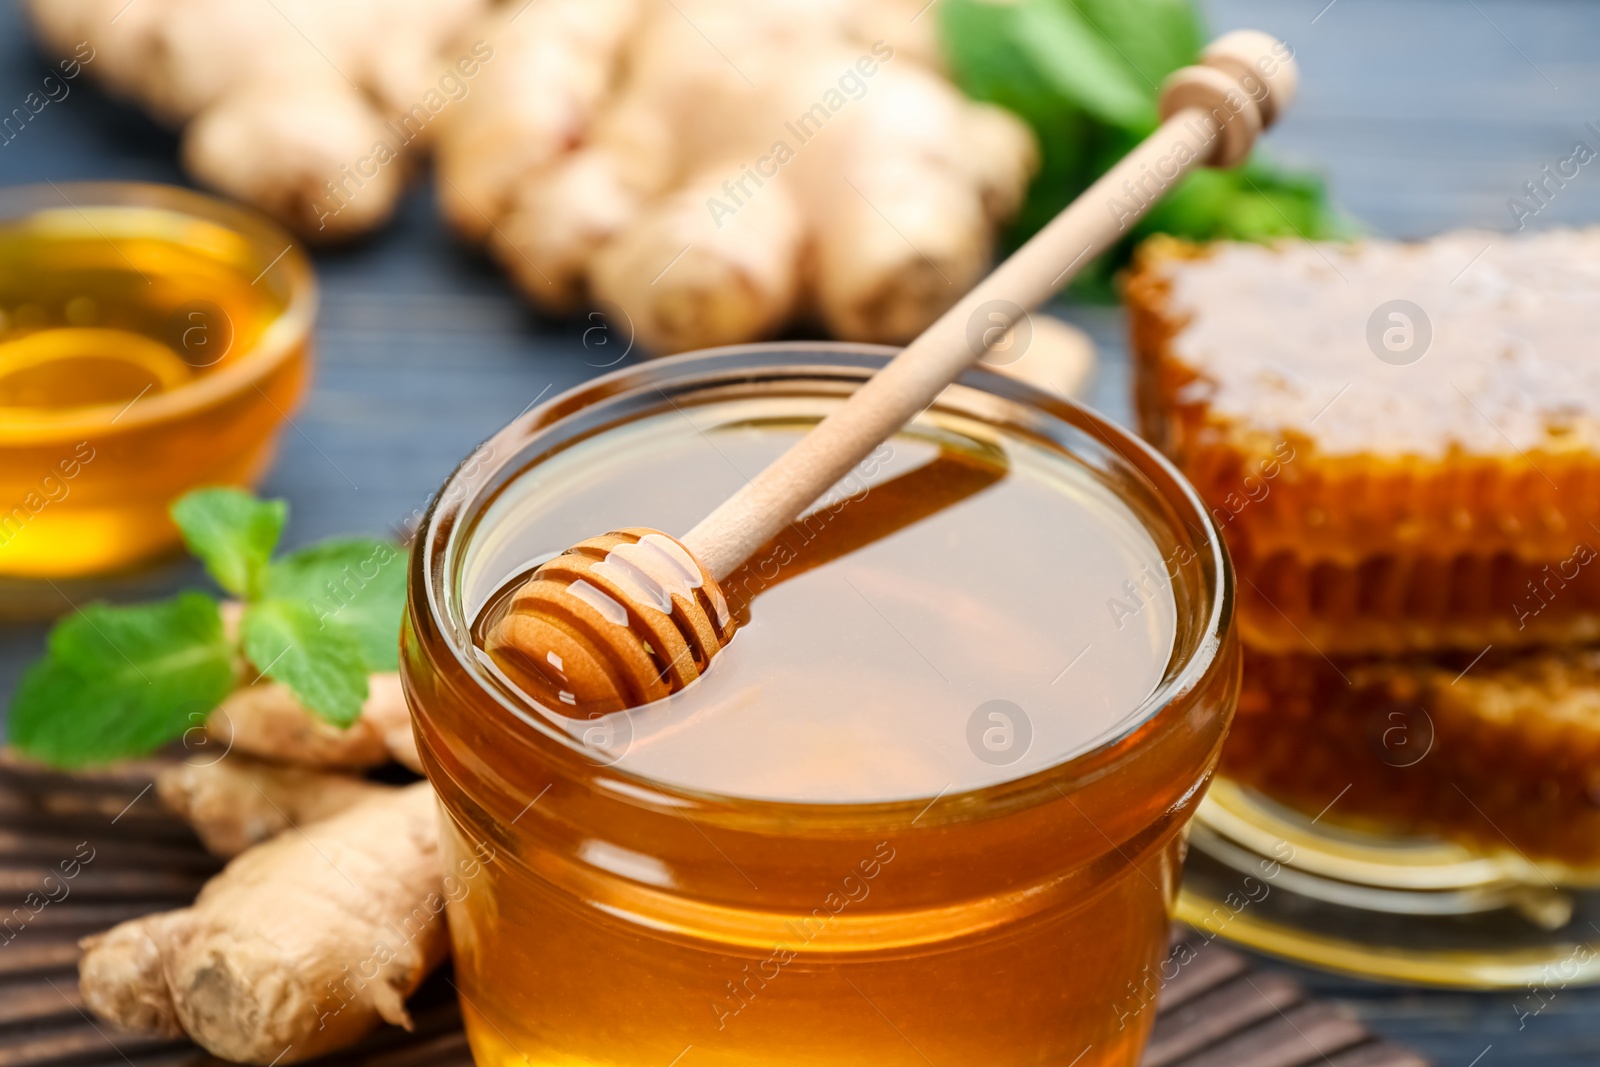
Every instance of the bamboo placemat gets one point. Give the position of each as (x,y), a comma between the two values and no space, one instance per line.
(1217,1012)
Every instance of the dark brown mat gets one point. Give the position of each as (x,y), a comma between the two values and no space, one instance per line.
(1216,1011)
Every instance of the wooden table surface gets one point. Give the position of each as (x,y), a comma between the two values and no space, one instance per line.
(1425,115)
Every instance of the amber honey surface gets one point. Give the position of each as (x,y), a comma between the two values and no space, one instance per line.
(132,368)
(1401,442)
(855,680)
(825,851)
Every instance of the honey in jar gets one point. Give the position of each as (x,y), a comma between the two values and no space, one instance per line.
(927,806)
(151,341)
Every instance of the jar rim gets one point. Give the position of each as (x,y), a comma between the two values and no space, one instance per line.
(285,260)
(434,603)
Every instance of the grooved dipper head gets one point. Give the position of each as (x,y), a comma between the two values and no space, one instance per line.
(612,623)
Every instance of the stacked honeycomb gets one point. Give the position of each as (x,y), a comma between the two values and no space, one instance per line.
(1401,446)
(1505,755)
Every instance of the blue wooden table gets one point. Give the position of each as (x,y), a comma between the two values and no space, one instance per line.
(1424,114)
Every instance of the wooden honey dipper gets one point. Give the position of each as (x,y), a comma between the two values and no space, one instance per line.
(635,615)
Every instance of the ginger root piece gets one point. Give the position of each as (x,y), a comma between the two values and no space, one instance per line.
(553,64)
(276,144)
(1002,159)
(305,109)
(297,948)
(238,802)
(718,168)
(128,986)
(906,245)
(583,200)
(546,241)
(907,194)
(267,720)
(911,25)
(64,25)
(413,45)
(688,282)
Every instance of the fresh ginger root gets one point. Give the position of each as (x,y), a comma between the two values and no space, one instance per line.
(716,168)
(331,913)
(306,109)
(266,720)
(237,802)
(297,948)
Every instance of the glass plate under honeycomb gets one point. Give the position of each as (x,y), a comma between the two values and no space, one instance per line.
(1391,908)
(1429,820)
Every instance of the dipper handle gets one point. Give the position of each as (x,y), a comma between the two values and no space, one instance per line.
(631,617)
(1212,114)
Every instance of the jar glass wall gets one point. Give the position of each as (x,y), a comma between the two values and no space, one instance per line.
(753,875)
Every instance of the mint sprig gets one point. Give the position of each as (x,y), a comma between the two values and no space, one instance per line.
(123,681)
(117,682)
(322,664)
(1086,75)
(355,585)
(233,534)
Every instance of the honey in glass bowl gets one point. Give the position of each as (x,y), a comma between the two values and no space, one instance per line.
(929,803)
(152,340)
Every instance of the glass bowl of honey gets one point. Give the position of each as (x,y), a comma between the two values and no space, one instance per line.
(930,803)
(152,340)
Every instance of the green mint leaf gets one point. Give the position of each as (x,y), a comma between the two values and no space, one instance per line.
(232,533)
(1255,202)
(1076,59)
(118,682)
(1155,37)
(1084,75)
(984,58)
(357,586)
(322,665)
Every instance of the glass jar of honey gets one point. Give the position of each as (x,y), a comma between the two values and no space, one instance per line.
(929,804)
(152,340)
